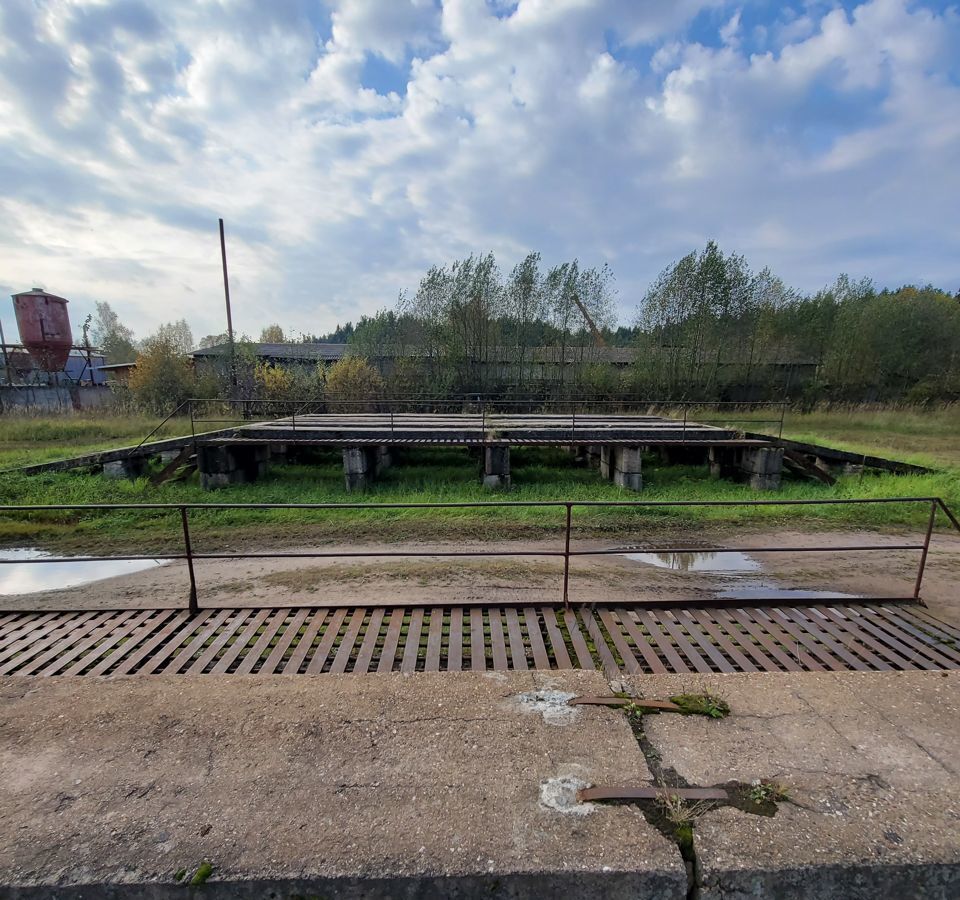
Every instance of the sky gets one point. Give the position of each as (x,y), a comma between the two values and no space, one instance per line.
(351,144)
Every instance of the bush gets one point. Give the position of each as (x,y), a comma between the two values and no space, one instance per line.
(162,379)
(353,385)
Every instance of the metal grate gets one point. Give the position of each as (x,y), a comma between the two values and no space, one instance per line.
(614,639)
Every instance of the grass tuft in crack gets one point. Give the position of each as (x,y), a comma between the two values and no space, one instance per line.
(702,705)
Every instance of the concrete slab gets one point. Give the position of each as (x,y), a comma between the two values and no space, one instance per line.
(870,761)
(448,785)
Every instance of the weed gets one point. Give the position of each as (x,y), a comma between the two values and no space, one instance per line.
(180,874)
(702,705)
(762,791)
(202,874)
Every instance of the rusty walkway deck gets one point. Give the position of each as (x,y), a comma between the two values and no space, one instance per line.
(442,638)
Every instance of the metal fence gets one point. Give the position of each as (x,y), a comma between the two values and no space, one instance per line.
(189,555)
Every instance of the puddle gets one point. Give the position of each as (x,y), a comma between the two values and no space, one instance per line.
(699,561)
(34,577)
(772,592)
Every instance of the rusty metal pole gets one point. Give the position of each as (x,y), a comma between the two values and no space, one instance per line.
(783,413)
(566,561)
(193,432)
(193,606)
(226,294)
(925,551)
(684,423)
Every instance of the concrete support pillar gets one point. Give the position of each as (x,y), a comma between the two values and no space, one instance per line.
(133,467)
(606,461)
(496,468)
(239,464)
(383,459)
(722,462)
(581,456)
(278,452)
(359,467)
(168,456)
(627,467)
(762,467)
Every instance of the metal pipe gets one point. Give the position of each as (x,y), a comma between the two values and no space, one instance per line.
(566,559)
(192,605)
(226,294)
(926,550)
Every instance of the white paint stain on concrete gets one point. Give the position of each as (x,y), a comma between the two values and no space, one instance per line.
(554,706)
(560,795)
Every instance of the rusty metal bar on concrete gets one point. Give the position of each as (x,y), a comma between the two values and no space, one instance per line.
(649,792)
(192,601)
(592,700)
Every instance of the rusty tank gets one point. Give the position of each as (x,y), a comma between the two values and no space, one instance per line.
(44,325)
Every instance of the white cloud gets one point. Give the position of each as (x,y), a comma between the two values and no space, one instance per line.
(591,129)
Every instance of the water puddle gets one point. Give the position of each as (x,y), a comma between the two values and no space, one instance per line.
(33,577)
(772,592)
(722,562)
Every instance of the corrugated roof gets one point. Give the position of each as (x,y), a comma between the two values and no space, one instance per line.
(283,351)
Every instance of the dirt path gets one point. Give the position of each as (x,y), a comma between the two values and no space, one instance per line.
(537,578)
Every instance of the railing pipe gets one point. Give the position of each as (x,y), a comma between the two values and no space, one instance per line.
(192,604)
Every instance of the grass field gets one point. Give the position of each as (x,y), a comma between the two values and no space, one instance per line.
(449,475)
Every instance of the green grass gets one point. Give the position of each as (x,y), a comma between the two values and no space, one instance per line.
(925,436)
(443,475)
(32,439)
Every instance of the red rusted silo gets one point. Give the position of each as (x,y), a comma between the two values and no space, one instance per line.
(44,328)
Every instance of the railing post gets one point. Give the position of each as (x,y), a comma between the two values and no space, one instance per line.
(566,560)
(193,432)
(573,429)
(684,423)
(925,551)
(193,606)
(783,413)
(391,421)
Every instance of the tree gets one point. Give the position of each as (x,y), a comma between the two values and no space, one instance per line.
(213,340)
(177,335)
(162,379)
(353,385)
(272,334)
(112,336)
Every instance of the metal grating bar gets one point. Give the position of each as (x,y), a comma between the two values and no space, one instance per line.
(434,639)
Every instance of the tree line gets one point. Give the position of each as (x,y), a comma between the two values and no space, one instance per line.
(708,328)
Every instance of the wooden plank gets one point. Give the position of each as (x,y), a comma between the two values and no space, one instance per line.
(667,651)
(652,659)
(177,639)
(802,636)
(57,629)
(390,642)
(498,646)
(127,648)
(252,656)
(716,631)
(576,638)
(802,659)
(334,623)
(79,647)
(766,640)
(230,628)
(541,659)
(821,629)
(196,644)
(518,650)
(557,643)
(411,647)
(365,653)
(455,640)
(744,639)
(342,658)
(108,643)
(860,630)
(478,644)
(607,659)
(174,624)
(434,640)
(683,644)
(291,632)
(16,627)
(696,630)
(222,665)
(36,655)
(612,624)
(922,647)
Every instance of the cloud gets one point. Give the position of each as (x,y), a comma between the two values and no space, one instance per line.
(813,141)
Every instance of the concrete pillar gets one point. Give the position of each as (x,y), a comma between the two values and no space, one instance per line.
(722,463)
(496,468)
(627,467)
(168,456)
(382,458)
(762,467)
(606,461)
(226,465)
(359,467)
(133,467)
